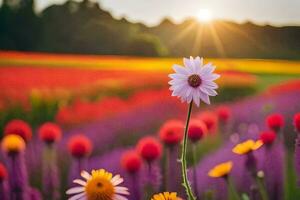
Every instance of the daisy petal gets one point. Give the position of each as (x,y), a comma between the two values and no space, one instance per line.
(180,70)
(187,62)
(204,97)
(119,197)
(83,198)
(116,180)
(80,182)
(211,92)
(211,77)
(210,84)
(75,190)
(194,65)
(176,81)
(178,76)
(208,90)
(178,87)
(85,175)
(196,98)
(197,62)
(121,190)
(207,69)
(189,98)
(77,196)
(189,65)
(188,91)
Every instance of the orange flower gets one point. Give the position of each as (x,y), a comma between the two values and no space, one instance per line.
(13,144)
(221,170)
(247,146)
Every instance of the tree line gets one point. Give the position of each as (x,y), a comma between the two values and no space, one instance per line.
(84,28)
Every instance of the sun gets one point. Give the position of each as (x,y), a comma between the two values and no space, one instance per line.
(204,15)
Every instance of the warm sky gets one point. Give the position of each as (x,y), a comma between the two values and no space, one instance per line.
(276,12)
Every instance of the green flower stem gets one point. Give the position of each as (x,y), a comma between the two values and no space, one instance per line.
(233,194)
(194,151)
(262,189)
(186,183)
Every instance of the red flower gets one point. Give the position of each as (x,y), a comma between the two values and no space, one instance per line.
(131,161)
(275,122)
(267,137)
(171,132)
(210,119)
(224,113)
(80,146)
(149,148)
(50,132)
(18,127)
(197,130)
(3,172)
(297,122)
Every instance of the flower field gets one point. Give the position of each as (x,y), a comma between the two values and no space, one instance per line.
(109,128)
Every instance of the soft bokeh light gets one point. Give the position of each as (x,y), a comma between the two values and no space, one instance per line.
(205,15)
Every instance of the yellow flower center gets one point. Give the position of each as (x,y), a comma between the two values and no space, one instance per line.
(165,196)
(194,80)
(99,188)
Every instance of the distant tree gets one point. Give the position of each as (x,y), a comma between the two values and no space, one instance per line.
(19,25)
(147,45)
(6,21)
(84,28)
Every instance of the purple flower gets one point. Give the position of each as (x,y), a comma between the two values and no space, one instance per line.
(4,190)
(18,180)
(297,158)
(273,167)
(35,194)
(240,174)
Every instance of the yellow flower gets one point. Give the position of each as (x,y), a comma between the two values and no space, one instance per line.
(247,146)
(99,185)
(221,170)
(166,196)
(13,143)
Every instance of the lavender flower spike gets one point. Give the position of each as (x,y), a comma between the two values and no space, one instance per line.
(297,158)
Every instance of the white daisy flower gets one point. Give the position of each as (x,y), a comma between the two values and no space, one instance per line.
(194,81)
(100,185)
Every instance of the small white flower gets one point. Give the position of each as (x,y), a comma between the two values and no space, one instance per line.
(100,184)
(194,81)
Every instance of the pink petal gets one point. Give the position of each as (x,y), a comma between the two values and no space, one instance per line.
(75,190)
(180,70)
(204,97)
(77,196)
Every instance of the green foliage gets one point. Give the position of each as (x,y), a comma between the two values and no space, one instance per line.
(40,111)
(291,189)
(234,92)
(147,44)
